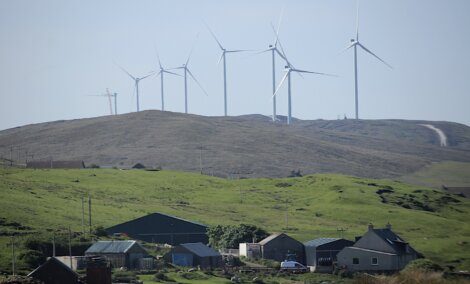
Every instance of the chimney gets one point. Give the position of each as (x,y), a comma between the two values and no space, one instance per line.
(388,226)
(370,227)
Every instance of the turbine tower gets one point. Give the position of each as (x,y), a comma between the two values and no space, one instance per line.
(161,72)
(136,82)
(223,57)
(355,43)
(186,71)
(289,69)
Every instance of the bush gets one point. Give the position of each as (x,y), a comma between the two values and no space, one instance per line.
(32,258)
(162,277)
(424,265)
(94,166)
(100,231)
(230,236)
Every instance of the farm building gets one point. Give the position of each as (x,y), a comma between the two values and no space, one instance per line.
(249,250)
(163,229)
(54,271)
(196,254)
(128,254)
(320,254)
(50,164)
(379,250)
(280,246)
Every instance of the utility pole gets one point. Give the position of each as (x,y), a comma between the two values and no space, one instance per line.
(70,248)
(53,245)
(83,215)
(11,156)
(340,232)
(13,257)
(287,214)
(89,211)
(200,159)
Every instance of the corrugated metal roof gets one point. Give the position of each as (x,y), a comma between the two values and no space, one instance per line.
(319,242)
(110,247)
(200,249)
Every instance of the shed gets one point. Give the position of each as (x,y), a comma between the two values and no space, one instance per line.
(163,229)
(379,250)
(54,271)
(280,246)
(196,254)
(126,254)
(138,166)
(320,254)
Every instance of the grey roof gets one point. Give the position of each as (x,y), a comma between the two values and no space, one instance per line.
(200,249)
(319,242)
(397,243)
(270,238)
(111,247)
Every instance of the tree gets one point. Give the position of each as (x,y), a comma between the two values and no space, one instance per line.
(230,236)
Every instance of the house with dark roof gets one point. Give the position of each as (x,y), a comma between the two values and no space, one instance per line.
(379,250)
(54,271)
(280,247)
(320,254)
(128,254)
(163,229)
(196,254)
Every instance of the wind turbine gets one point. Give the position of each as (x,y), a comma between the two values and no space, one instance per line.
(108,95)
(289,69)
(355,43)
(161,72)
(186,71)
(223,57)
(136,81)
(274,50)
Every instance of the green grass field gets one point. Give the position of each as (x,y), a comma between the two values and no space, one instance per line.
(443,173)
(41,201)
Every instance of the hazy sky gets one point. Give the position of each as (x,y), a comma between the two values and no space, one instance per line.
(53,54)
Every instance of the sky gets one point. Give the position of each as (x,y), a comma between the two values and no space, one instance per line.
(55,54)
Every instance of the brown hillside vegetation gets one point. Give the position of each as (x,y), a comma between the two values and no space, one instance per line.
(245,146)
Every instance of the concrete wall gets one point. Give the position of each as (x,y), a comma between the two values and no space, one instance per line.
(386,262)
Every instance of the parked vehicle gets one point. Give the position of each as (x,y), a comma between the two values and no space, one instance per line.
(293,267)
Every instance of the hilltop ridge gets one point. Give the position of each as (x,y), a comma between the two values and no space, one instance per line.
(244,146)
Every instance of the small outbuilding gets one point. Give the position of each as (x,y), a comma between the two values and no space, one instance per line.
(163,229)
(379,250)
(128,254)
(53,271)
(280,247)
(320,254)
(196,254)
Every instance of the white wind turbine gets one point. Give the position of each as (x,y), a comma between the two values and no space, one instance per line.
(109,96)
(274,50)
(186,71)
(161,73)
(223,57)
(355,43)
(136,82)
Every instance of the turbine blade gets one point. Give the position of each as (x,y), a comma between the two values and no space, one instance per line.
(213,35)
(125,71)
(220,59)
(148,75)
(197,82)
(348,47)
(166,71)
(279,26)
(312,72)
(280,84)
(357,20)
(371,53)
(238,50)
(192,49)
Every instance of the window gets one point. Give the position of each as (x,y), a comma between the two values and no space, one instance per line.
(355,260)
(374,261)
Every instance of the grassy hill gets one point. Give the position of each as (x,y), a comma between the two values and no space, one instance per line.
(247,146)
(40,201)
